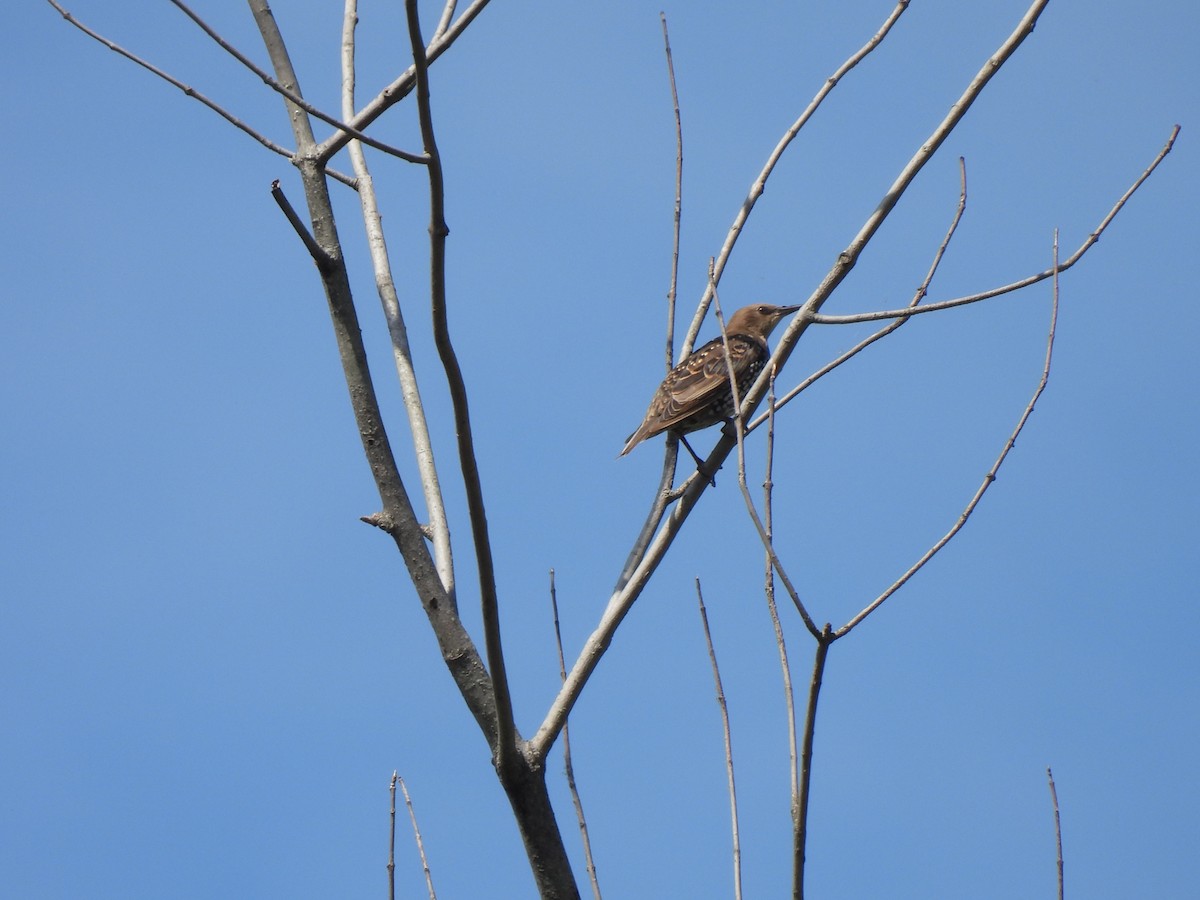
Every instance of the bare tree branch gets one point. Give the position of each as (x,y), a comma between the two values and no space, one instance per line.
(800,837)
(402,86)
(740,433)
(789,695)
(391,863)
(988,479)
(724,707)
(640,545)
(920,295)
(568,766)
(291,95)
(189,91)
(1057,830)
(397,331)
(663,495)
(670,349)
(760,183)
(821,319)
(444,21)
(622,600)
(505,745)
(412,816)
(397,517)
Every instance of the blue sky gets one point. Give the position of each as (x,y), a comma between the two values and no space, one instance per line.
(210,667)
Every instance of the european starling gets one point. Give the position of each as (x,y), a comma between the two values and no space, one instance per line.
(695,394)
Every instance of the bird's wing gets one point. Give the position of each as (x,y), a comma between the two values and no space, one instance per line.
(700,377)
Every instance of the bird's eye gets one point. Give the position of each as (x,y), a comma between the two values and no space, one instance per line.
(762,310)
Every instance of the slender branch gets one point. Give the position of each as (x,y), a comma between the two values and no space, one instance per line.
(292,95)
(385,284)
(641,558)
(800,835)
(921,292)
(988,479)
(848,258)
(568,766)
(663,495)
(678,196)
(1057,830)
(1066,264)
(740,435)
(760,183)
(724,707)
(505,744)
(412,815)
(320,257)
(391,863)
(444,21)
(789,694)
(187,90)
(402,86)
(397,517)
(622,600)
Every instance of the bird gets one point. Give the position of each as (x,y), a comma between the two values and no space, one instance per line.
(695,394)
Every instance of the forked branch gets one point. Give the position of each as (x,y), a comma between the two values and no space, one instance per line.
(988,479)
(505,746)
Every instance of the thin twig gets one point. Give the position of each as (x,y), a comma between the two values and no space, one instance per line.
(568,766)
(641,545)
(1066,264)
(848,258)
(724,707)
(391,863)
(188,90)
(402,86)
(412,815)
(988,479)
(489,603)
(678,218)
(789,694)
(444,21)
(920,294)
(663,495)
(289,93)
(760,183)
(439,528)
(397,517)
(320,257)
(800,835)
(623,599)
(740,432)
(1057,830)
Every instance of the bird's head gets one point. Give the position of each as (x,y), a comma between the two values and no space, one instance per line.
(758,320)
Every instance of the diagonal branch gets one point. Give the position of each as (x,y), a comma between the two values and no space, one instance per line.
(622,600)
(292,95)
(723,705)
(740,433)
(820,319)
(505,745)
(866,342)
(760,183)
(402,86)
(397,517)
(988,479)
(386,286)
(189,91)
(637,552)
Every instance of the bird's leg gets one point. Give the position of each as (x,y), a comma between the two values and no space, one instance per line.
(712,479)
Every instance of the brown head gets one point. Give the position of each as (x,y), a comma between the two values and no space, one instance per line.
(758,320)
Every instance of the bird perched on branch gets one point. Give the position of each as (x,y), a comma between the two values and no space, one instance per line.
(695,394)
